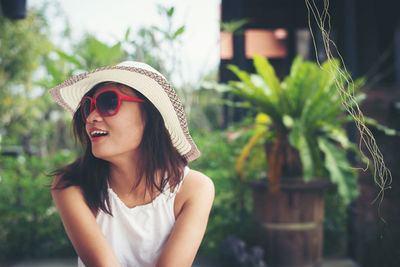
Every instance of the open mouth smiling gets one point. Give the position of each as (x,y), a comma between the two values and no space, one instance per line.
(97,133)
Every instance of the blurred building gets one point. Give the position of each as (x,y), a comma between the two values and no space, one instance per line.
(367,35)
(13,9)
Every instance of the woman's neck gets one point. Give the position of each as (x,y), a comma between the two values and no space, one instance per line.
(124,176)
(125,183)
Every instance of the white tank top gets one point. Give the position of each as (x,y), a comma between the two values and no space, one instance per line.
(137,235)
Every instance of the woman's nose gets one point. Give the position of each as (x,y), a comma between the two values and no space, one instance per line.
(94,116)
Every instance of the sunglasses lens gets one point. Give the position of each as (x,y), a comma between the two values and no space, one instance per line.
(86,106)
(107,103)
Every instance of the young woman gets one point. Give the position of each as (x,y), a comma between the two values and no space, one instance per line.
(130,199)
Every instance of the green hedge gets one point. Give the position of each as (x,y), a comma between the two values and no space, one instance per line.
(30,226)
(231,211)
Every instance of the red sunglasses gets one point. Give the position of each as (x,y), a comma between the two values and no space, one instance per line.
(107,103)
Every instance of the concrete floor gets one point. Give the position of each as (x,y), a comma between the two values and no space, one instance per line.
(199,262)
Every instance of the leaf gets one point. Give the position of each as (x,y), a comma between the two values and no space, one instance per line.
(245,152)
(337,133)
(359,98)
(233,26)
(256,96)
(170,12)
(383,128)
(243,76)
(69,58)
(258,158)
(288,121)
(219,87)
(339,170)
(305,157)
(127,33)
(297,62)
(54,73)
(248,89)
(235,104)
(267,72)
(178,32)
(262,118)
(154,27)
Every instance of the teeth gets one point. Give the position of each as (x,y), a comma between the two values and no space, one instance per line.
(98,133)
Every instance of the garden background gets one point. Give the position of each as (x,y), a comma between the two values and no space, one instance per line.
(36,137)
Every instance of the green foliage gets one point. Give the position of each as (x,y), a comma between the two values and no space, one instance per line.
(234,26)
(231,211)
(157,46)
(29,223)
(23,46)
(206,111)
(90,53)
(306,109)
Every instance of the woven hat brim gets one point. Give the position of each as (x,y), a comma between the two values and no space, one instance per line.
(153,86)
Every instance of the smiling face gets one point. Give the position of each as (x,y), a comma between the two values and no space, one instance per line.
(120,135)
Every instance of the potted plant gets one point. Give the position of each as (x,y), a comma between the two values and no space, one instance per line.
(300,125)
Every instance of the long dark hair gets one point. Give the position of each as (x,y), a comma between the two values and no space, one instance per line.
(91,174)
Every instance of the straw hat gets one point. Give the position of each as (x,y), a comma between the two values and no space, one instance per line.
(144,79)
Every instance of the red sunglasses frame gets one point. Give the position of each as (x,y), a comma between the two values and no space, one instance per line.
(93,102)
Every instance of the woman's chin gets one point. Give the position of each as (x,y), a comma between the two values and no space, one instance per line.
(113,154)
(101,154)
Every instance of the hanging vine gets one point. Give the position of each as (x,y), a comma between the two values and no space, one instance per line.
(345,87)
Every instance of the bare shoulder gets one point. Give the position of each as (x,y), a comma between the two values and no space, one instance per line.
(59,188)
(63,195)
(71,196)
(197,186)
(199,181)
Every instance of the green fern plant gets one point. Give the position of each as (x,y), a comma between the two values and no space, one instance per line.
(304,135)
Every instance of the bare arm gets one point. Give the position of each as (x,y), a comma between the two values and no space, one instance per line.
(197,191)
(81,227)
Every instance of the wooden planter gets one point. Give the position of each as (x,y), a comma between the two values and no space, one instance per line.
(290,223)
